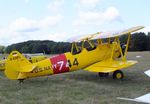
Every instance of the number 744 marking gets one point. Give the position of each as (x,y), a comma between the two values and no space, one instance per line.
(60,64)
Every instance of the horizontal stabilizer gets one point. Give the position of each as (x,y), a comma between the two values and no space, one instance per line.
(142,99)
(109,66)
(147,73)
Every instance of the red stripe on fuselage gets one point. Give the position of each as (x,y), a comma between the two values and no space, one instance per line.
(59,64)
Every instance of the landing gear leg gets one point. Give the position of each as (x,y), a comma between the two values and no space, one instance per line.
(118,74)
(103,74)
(20,81)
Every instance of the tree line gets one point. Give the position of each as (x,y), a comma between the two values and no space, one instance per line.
(37,46)
(139,42)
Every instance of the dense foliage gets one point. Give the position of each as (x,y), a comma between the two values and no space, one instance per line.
(2,49)
(139,42)
(37,46)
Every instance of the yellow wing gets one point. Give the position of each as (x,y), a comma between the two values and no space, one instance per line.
(106,66)
(111,34)
(102,35)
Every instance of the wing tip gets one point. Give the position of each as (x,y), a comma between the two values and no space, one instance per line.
(147,73)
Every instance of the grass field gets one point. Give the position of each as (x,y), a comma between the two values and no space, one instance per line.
(80,87)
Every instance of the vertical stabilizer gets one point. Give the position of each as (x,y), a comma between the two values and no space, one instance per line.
(17,66)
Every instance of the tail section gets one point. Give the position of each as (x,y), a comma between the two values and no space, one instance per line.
(17,66)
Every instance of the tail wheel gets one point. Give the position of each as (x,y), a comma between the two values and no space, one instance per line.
(103,74)
(118,74)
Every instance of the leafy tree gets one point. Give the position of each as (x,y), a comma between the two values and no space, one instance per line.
(38,46)
(139,42)
(2,49)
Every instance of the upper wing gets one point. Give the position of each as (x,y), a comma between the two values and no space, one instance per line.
(142,99)
(102,35)
(147,73)
(117,33)
(83,37)
(109,66)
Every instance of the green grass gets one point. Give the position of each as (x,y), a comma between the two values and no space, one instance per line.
(80,87)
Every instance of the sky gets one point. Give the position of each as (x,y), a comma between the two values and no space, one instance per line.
(59,20)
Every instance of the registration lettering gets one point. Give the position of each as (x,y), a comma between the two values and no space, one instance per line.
(38,69)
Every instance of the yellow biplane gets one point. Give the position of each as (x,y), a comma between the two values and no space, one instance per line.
(90,53)
(31,58)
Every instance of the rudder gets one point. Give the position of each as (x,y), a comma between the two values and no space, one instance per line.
(17,66)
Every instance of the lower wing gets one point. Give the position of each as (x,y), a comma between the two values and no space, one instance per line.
(106,66)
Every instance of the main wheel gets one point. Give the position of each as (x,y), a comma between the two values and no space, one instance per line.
(118,74)
(103,74)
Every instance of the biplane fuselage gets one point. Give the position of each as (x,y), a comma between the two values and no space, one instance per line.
(101,57)
(67,62)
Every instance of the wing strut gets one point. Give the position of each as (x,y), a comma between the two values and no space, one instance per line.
(126,49)
(113,48)
(127,46)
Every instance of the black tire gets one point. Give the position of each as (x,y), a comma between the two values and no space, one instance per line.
(118,74)
(21,80)
(103,74)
